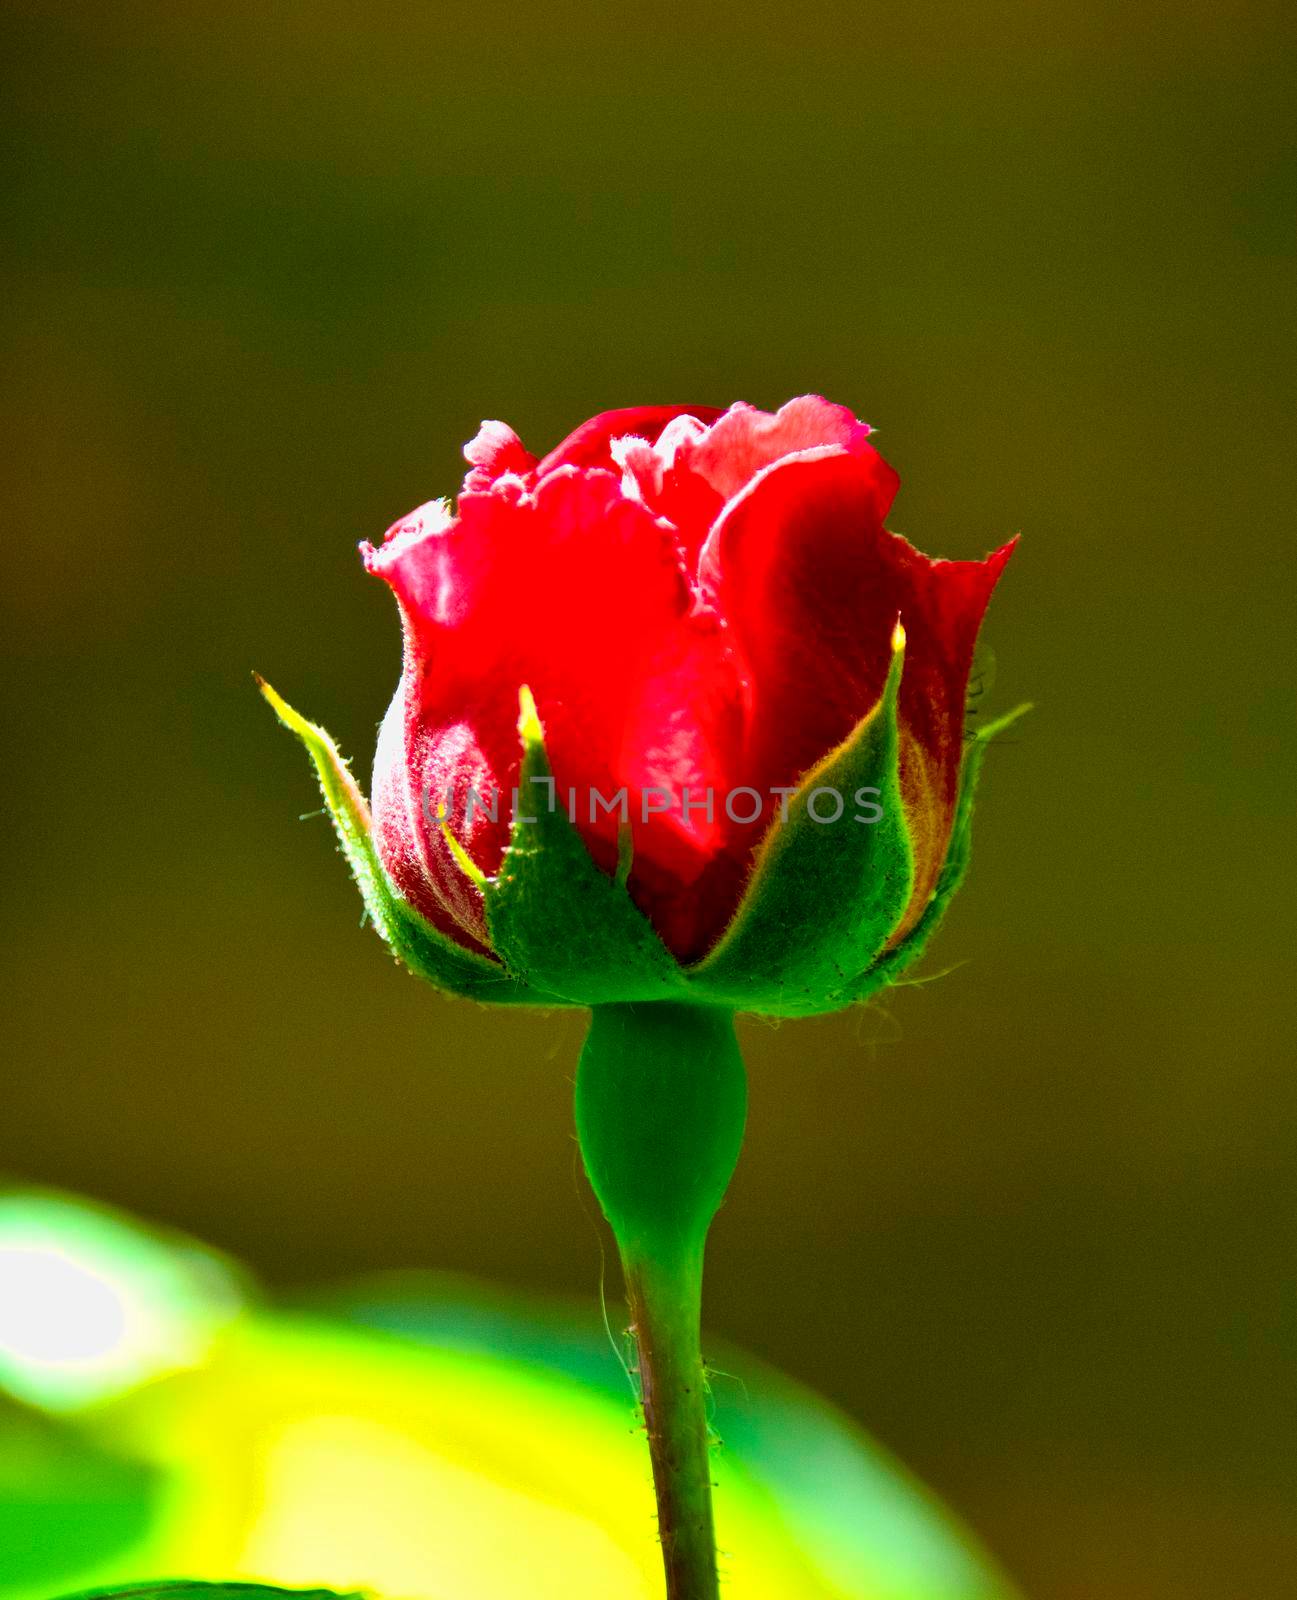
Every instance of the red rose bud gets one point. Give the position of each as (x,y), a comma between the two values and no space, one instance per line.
(740,774)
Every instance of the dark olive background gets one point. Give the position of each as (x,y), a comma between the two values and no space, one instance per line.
(269,265)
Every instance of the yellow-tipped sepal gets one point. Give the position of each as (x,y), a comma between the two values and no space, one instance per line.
(830,882)
(413,941)
(558,920)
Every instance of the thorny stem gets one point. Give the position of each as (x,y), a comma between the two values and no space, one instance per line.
(665,1303)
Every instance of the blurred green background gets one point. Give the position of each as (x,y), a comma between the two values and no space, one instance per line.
(267,266)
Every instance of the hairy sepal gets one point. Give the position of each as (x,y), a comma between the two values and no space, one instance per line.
(556,920)
(427,952)
(825,895)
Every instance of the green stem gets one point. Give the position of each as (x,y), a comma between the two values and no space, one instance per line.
(661,1097)
(665,1306)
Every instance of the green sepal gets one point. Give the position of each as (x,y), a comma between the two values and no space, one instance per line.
(193,1589)
(415,943)
(955,866)
(824,896)
(556,920)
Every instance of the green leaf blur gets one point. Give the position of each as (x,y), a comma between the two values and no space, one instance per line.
(182,1589)
(420,1437)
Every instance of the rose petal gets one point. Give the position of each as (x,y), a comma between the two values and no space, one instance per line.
(404,832)
(810,585)
(577,592)
(745,441)
(494,450)
(590,444)
(692,471)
